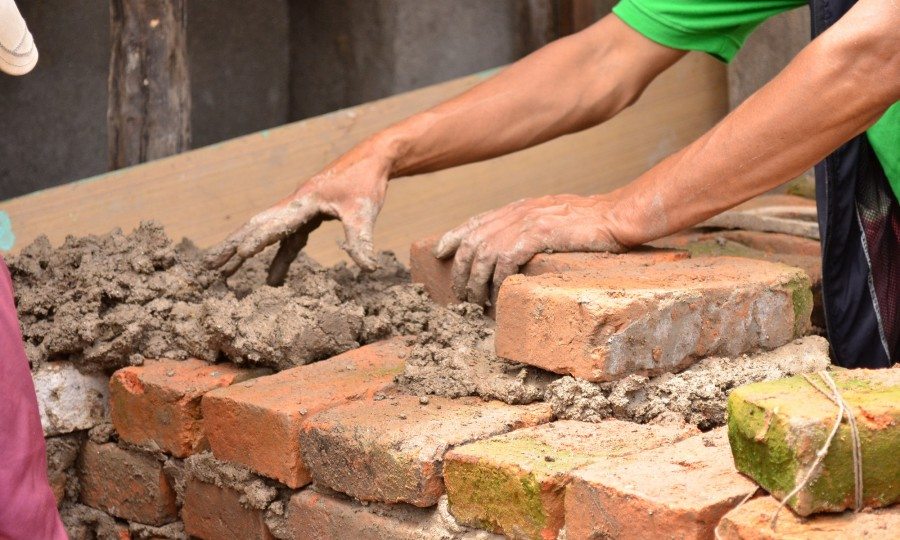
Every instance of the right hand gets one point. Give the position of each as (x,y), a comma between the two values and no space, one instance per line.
(352,190)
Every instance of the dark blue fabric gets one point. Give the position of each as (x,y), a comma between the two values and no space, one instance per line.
(854,330)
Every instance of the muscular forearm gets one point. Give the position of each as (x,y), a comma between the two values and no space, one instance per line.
(572,84)
(833,90)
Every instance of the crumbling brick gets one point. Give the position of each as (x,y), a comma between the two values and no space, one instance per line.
(68,399)
(216,513)
(332,517)
(158,404)
(514,484)
(257,423)
(776,428)
(678,491)
(435,273)
(392,450)
(751,521)
(125,483)
(605,325)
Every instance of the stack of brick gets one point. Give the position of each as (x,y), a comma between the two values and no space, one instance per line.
(334,450)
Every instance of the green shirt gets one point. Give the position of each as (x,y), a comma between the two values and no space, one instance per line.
(720,27)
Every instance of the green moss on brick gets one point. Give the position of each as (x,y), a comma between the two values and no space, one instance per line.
(776,427)
(495,499)
(802,299)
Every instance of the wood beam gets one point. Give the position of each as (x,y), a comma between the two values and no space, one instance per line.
(149,107)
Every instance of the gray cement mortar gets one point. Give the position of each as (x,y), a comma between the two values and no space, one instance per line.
(695,396)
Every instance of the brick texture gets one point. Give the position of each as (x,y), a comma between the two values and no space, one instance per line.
(776,428)
(514,484)
(257,423)
(158,404)
(679,491)
(69,400)
(605,325)
(435,273)
(796,251)
(215,513)
(127,484)
(392,450)
(750,521)
(332,517)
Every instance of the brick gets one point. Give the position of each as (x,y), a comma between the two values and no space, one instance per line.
(211,512)
(514,484)
(125,483)
(392,450)
(682,489)
(257,423)
(435,273)
(773,213)
(158,404)
(316,515)
(605,325)
(795,251)
(776,428)
(751,521)
(69,400)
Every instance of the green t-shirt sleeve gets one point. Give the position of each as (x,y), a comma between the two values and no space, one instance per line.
(717,27)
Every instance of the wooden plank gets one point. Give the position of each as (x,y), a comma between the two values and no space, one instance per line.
(204,194)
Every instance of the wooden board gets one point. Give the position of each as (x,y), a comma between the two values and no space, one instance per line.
(206,193)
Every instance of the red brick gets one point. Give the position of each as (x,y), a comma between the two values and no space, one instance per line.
(682,490)
(216,513)
(392,450)
(125,483)
(158,404)
(332,517)
(751,521)
(257,423)
(514,484)
(605,325)
(803,253)
(434,273)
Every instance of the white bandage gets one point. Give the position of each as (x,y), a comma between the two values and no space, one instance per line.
(18,54)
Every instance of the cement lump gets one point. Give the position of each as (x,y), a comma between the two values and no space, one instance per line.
(69,400)
(696,396)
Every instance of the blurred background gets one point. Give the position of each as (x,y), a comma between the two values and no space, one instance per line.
(255,65)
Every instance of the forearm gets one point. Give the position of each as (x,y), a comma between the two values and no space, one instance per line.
(833,90)
(572,84)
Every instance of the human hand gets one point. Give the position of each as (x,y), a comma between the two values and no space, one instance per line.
(492,246)
(351,190)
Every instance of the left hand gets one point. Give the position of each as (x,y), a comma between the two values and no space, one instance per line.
(492,246)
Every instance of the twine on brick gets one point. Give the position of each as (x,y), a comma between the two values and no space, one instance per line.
(843,410)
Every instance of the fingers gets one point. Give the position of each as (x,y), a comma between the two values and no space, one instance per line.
(359,232)
(462,265)
(478,286)
(221,253)
(509,263)
(288,250)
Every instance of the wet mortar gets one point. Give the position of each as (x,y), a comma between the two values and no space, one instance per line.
(104,302)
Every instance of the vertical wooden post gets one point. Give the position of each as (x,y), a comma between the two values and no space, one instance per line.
(149,88)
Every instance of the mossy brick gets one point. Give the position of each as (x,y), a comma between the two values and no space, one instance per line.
(514,484)
(158,404)
(125,483)
(674,491)
(606,325)
(776,428)
(393,450)
(752,521)
(257,423)
(435,273)
(215,512)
